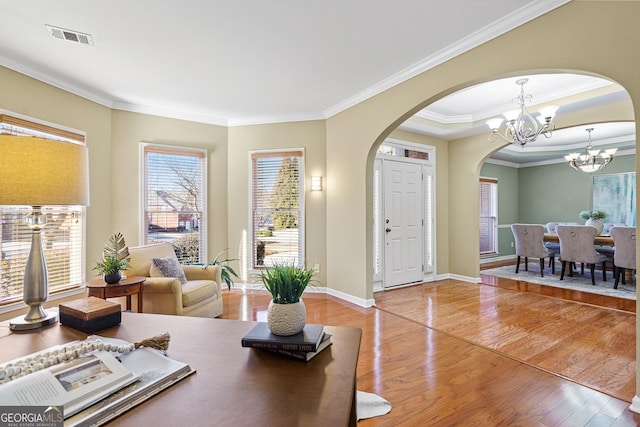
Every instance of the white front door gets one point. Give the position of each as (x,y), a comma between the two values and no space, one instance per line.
(402,223)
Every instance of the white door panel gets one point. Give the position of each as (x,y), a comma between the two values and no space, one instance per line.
(403,223)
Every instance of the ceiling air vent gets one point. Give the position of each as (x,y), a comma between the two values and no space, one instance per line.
(70,35)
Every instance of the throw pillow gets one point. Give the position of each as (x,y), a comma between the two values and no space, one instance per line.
(167,267)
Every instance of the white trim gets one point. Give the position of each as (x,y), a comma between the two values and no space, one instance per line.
(490,259)
(503,25)
(46,123)
(302,250)
(559,160)
(635,404)
(463,278)
(366,303)
(204,238)
(497,28)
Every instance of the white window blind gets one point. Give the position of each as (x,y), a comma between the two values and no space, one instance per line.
(277,208)
(488,215)
(377,213)
(174,195)
(63,236)
(428,173)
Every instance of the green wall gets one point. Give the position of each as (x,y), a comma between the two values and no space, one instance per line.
(558,193)
(540,194)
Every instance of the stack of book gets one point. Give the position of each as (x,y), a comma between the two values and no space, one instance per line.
(304,345)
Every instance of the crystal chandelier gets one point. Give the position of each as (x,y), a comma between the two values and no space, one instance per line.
(592,160)
(522,127)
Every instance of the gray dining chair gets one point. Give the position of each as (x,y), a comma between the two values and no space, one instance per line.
(530,244)
(577,245)
(624,256)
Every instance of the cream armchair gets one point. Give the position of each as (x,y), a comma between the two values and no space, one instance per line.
(200,296)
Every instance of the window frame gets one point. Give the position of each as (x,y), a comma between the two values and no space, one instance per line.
(250,260)
(491,240)
(75,266)
(202,154)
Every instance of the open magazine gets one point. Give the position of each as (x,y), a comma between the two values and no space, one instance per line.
(75,384)
(156,372)
(96,387)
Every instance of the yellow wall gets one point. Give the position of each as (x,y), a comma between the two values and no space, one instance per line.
(592,37)
(309,135)
(129,130)
(29,97)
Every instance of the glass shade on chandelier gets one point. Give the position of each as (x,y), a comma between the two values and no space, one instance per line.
(591,160)
(521,126)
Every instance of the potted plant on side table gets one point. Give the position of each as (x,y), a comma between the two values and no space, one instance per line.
(115,257)
(286,314)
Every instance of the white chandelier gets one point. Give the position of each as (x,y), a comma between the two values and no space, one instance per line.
(592,160)
(522,127)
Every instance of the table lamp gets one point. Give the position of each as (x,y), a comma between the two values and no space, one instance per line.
(40,172)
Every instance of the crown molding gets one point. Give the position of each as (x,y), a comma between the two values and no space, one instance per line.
(499,27)
(14,65)
(168,113)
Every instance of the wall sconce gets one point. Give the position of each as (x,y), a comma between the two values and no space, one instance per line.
(316,183)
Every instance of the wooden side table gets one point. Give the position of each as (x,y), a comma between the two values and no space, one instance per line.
(124,288)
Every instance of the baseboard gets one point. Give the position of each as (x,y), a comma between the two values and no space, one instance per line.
(488,260)
(464,278)
(635,405)
(366,303)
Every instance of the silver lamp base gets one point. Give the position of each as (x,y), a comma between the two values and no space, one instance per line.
(20,323)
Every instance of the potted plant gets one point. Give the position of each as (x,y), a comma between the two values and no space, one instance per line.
(115,258)
(286,314)
(594,218)
(226,271)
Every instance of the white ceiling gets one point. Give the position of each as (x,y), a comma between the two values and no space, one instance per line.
(249,61)
(465,112)
(255,61)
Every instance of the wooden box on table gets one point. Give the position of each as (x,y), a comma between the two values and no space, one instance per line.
(90,314)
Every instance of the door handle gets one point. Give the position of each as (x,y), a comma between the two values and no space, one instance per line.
(387,230)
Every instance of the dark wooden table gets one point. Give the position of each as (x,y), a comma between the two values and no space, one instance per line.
(124,288)
(233,385)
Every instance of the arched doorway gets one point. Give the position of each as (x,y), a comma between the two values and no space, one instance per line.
(459,119)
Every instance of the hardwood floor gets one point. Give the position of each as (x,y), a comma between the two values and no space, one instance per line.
(454,353)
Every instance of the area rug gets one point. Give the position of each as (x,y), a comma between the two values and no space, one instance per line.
(579,282)
(370,405)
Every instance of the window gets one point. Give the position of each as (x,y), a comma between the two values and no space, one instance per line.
(63,237)
(277,208)
(174,196)
(488,216)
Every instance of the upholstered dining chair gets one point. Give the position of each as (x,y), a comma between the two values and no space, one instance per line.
(624,256)
(576,245)
(530,244)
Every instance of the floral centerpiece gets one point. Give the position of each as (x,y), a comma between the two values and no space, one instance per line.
(593,214)
(594,218)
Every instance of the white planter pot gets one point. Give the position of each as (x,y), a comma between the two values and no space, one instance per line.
(597,224)
(286,319)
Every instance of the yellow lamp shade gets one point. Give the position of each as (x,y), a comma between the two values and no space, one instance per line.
(39,172)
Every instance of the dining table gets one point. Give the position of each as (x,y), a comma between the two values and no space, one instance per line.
(601,240)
